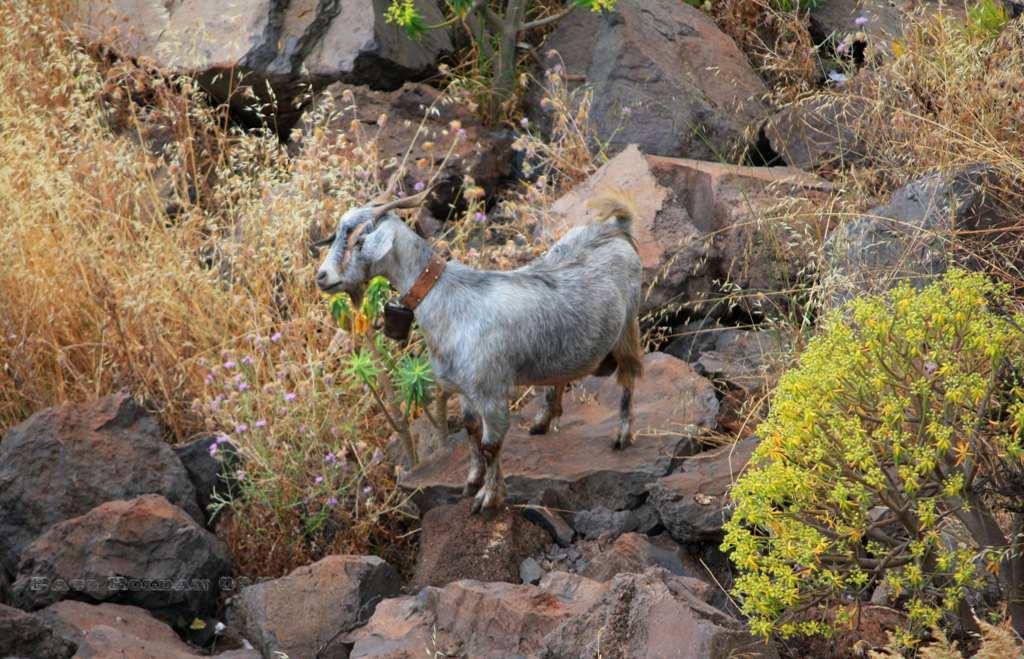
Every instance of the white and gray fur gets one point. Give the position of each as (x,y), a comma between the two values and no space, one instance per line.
(569,313)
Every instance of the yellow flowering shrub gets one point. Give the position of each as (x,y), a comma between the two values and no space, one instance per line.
(892,453)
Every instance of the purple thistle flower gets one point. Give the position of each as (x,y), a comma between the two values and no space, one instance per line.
(230,364)
(861,21)
(247,360)
(260,424)
(209,378)
(420,186)
(290,396)
(318,480)
(213,450)
(222,439)
(480,216)
(461,133)
(367,491)
(240,428)
(524,122)
(242,386)
(332,502)
(275,337)
(330,458)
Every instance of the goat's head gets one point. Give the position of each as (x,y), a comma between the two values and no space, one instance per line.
(360,245)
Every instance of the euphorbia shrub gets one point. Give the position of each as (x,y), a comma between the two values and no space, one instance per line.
(892,453)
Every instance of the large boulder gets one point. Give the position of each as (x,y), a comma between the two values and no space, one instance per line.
(633,553)
(276,49)
(64,461)
(746,360)
(662,76)
(654,614)
(694,502)
(25,635)
(145,552)
(456,544)
(115,631)
(307,612)
(575,460)
(209,469)
(929,224)
(474,619)
(416,126)
(701,224)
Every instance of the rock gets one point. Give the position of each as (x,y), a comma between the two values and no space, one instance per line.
(114,631)
(208,472)
(817,132)
(455,544)
(635,553)
(745,360)
(663,76)
(909,237)
(418,132)
(692,339)
(305,613)
(64,461)
(576,461)
(836,21)
(474,619)
(550,521)
(599,521)
(699,224)
(144,552)
(693,503)
(653,614)
(530,571)
(24,635)
(287,47)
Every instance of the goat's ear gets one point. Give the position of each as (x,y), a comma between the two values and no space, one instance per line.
(378,243)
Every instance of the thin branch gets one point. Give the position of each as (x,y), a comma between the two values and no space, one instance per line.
(547,20)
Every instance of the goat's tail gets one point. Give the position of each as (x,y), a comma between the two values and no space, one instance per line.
(618,205)
(628,354)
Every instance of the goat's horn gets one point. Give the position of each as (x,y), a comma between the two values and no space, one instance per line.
(405,202)
(390,190)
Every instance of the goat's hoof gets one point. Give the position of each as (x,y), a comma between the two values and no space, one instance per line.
(471,488)
(539,429)
(487,500)
(622,442)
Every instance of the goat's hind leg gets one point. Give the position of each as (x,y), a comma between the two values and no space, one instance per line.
(552,410)
(625,436)
(629,362)
(474,430)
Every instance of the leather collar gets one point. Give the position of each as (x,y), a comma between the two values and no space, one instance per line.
(425,282)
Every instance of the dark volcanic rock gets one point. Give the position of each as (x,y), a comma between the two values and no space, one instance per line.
(635,553)
(307,612)
(693,503)
(144,552)
(456,544)
(24,635)
(64,461)
(663,77)
(576,461)
(208,472)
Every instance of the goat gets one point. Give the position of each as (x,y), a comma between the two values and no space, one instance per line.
(569,313)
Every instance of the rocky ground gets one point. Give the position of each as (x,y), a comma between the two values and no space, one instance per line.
(106,547)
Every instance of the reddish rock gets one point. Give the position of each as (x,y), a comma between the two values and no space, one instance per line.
(693,503)
(307,612)
(114,631)
(64,461)
(145,552)
(474,619)
(654,614)
(663,76)
(456,544)
(818,131)
(575,460)
(288,46)
(25,635)
(700,223)
(416,115)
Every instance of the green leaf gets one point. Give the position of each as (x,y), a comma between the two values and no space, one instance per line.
(414,380)
(377,293)
(341,310)
(361,366)
(405,14)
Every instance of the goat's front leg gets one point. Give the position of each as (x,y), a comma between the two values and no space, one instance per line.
(552,410)
(474,429)
(496,422)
